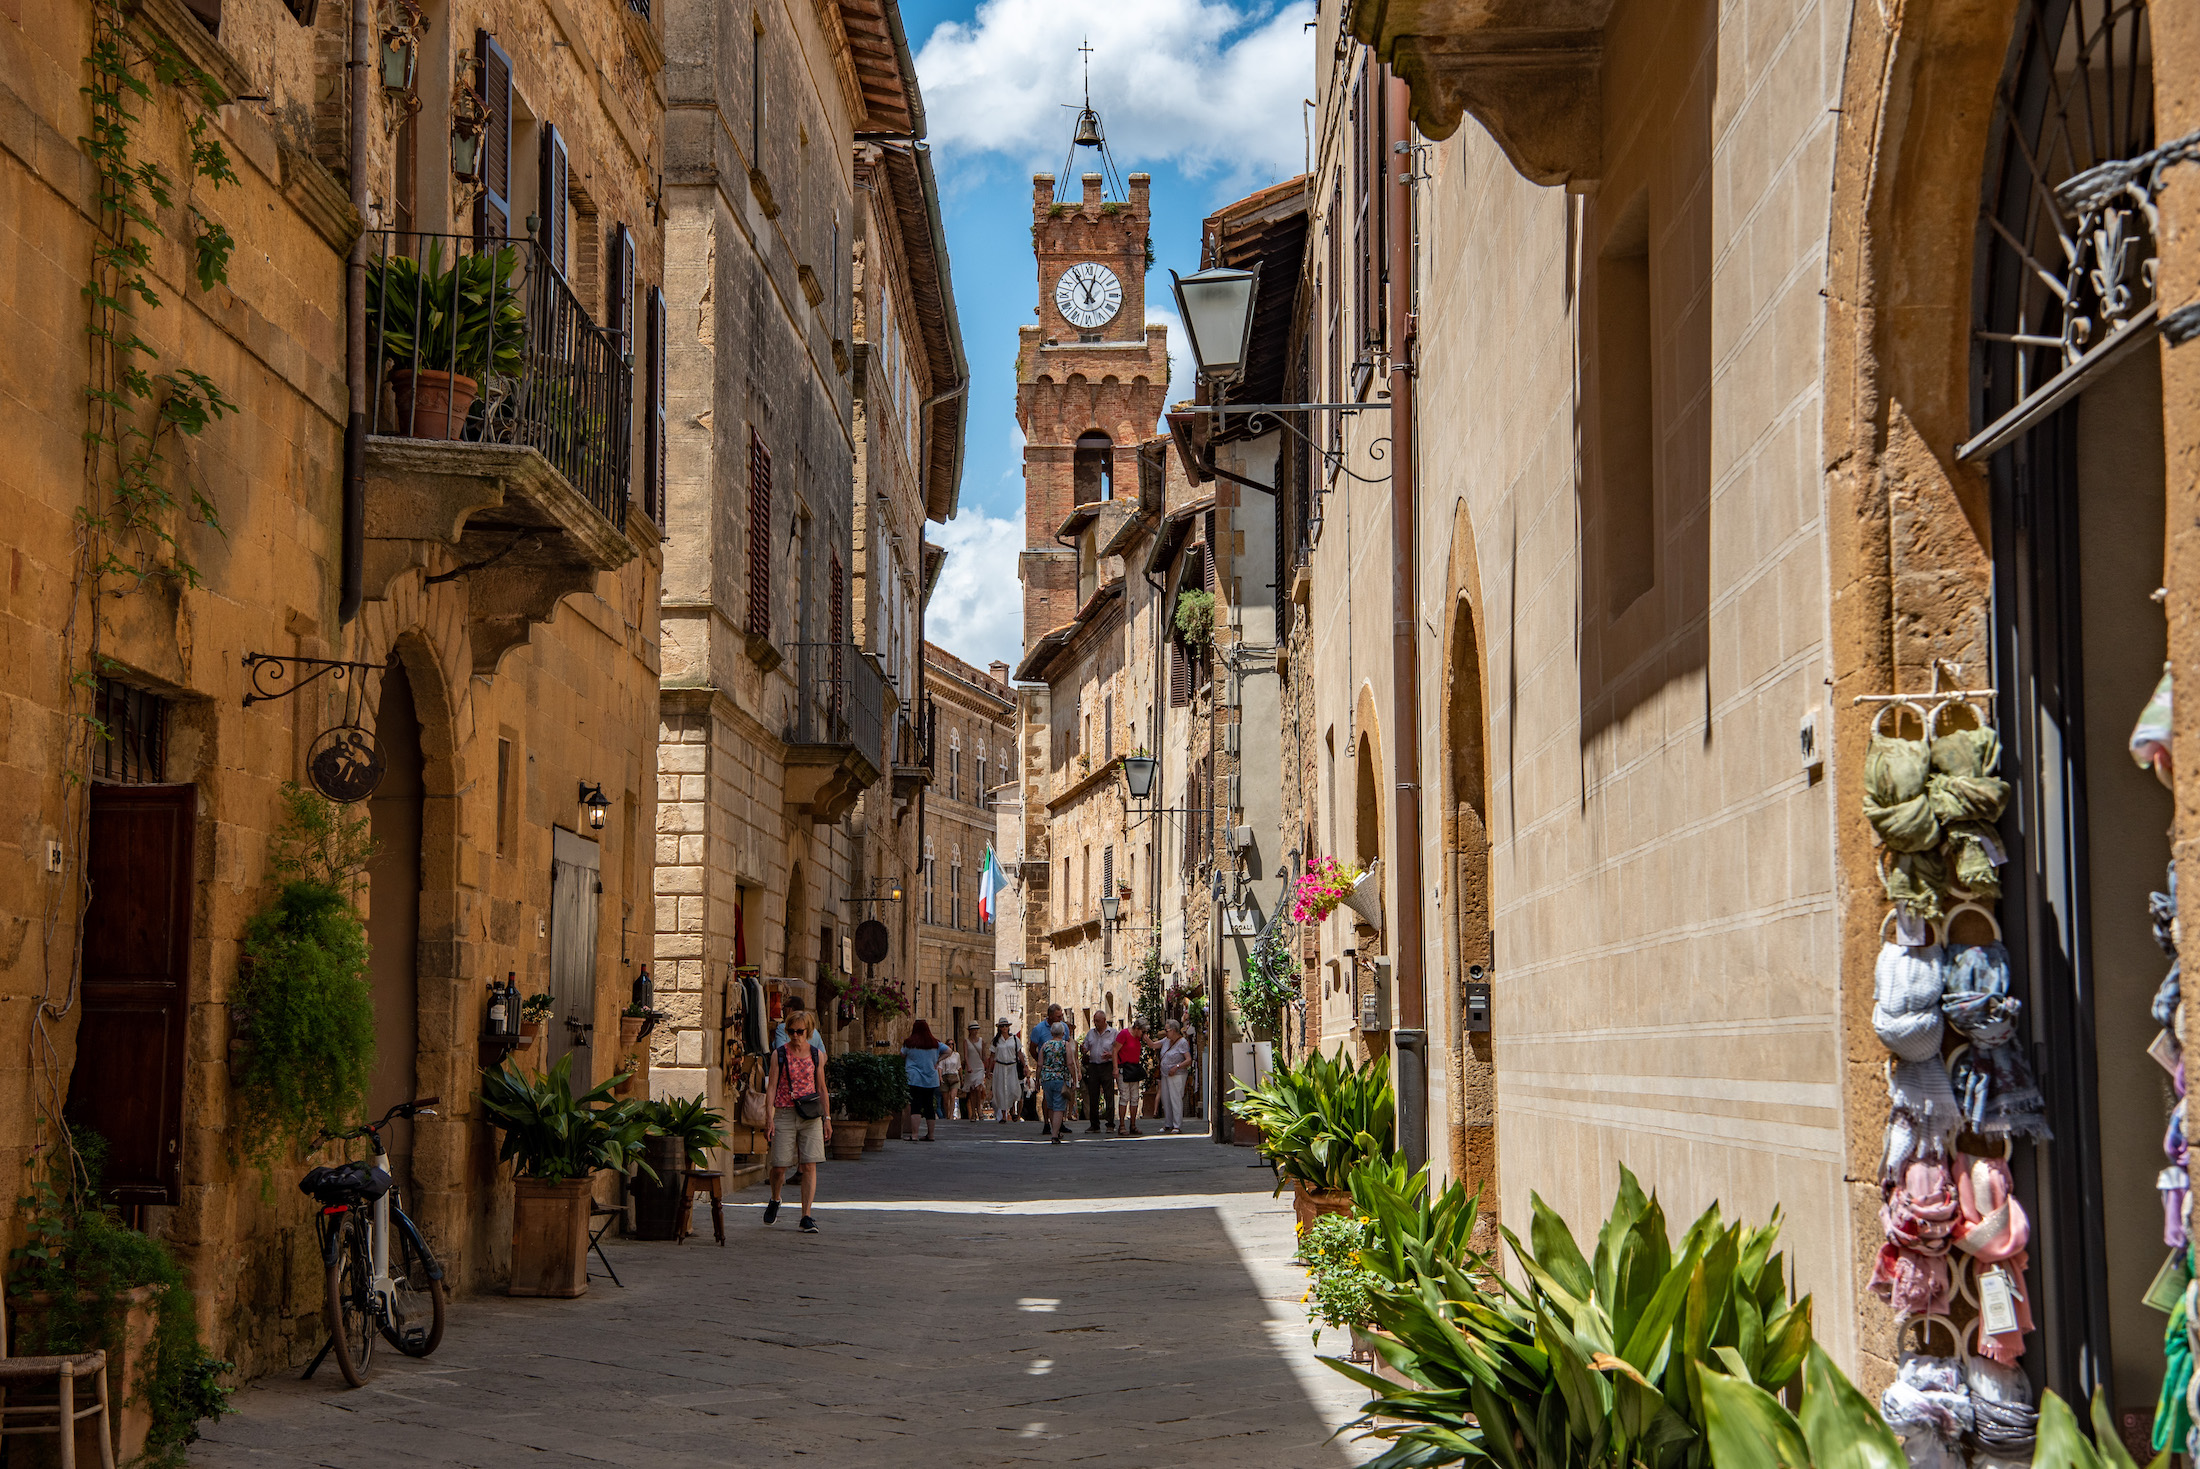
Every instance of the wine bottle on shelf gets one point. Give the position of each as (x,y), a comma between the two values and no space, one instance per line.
(511,1002)
(497,1022)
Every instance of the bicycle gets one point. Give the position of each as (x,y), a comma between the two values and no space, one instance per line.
(379,1281)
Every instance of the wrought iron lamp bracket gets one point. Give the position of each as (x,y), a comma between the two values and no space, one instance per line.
(266,671)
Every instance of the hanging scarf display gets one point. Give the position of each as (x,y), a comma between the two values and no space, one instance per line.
(1912,1272)
(2172,1418)
(2173,1182)
(1928,1406)
(1994,1085)
(1895,800)
(1993,1230)
(2004,1422)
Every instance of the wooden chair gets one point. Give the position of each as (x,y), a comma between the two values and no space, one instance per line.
(63,1372)
(703,1181)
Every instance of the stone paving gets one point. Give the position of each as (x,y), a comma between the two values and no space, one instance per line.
(988,1299)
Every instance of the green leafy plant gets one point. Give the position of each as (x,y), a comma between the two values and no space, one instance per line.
(538,1007)
(1414,1232)
(553,1135)
(1838,1428)
(692,1120)
(867,1087)
(1195,618)
(1599,1364)
(302,1004)
(1267,986)
(69,1290)
(467,319)
(1147,1006)
(1337,1283)
(1322,1118)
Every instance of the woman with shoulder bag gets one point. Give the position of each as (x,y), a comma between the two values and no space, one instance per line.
(801,1118)
(1130,1078)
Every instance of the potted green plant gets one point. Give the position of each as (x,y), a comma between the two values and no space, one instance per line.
(1336,1282)
(851,1083)
(558,1141)
(1195,618)
(534,1014)
(1318,1121)
(443,330)
(682,1131)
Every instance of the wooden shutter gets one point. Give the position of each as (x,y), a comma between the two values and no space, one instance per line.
(760,537)
(1207,563)
(552,195)
(493,205)
(128,1082)
(838,620)
(619,308)
(653,416)
(1180,675)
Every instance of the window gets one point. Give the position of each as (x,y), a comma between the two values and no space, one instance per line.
(493,205)
(1108,728)
(955,887)
(929,869)
(504,796)
(954,765)
(133,747)
(1093,469)
(760,537)
(654,416)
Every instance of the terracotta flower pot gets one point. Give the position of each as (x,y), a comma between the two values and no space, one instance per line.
(630,1029)
(847,1141)
(875,1133)
(1311,1203)
(550,1237)
(131,1415)
(431,404)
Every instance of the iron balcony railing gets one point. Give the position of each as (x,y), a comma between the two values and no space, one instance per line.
(913,737)
(840,699)
(481,340)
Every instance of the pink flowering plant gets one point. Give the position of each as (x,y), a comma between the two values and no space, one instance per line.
(1324,884)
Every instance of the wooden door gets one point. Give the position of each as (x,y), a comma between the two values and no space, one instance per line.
(576,895)
(128,1082)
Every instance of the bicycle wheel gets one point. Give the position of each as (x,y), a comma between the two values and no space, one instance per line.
(348,1309)
(415,1326)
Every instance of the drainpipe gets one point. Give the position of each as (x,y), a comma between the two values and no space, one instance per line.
(1411,1036)
(355,324)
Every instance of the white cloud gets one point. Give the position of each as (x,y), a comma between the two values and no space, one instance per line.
(977,607)
(1210,86)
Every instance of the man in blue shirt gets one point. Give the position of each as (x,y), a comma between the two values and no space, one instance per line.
(1040,1035)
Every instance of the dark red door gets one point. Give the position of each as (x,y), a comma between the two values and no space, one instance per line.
(128,1081)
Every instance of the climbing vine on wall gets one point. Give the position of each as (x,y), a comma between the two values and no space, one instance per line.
(138,408)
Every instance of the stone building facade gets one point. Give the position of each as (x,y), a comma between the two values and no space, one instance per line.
(496,590)
(781,699)
(974,737)
(1736,398)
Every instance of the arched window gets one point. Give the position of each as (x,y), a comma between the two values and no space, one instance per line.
(1093,468)
(955,766)
(928,871)
(955,886)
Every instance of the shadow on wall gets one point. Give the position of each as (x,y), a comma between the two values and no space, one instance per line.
(1644,410)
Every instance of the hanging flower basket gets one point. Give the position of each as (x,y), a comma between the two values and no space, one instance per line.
(1321,887)
(1366,897)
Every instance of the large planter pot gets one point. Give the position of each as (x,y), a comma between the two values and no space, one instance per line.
(847,1142)
(875,1132)
(431,404)
(657,1203)
(130,1414)
(1366,898)
(1311,1203)
(550,1237)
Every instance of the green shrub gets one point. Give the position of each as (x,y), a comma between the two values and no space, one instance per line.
(692,1120)
(1337,1283)
(302,1001)
(867,1086)
(1322,1118)
(1195,618)
(467,319)
(551,1134)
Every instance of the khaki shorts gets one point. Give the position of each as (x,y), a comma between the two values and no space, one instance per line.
(794,1136)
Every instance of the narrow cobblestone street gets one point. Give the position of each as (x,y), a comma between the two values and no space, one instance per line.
(985,1300)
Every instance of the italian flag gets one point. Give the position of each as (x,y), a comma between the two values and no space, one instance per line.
(989,883)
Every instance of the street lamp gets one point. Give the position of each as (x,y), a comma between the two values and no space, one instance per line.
(1217,307)
(599,808)
(1111,909)
(1138,775)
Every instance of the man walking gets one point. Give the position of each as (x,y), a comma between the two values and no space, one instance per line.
(1100,1072)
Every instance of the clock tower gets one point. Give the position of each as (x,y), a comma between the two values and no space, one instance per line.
(1092,377)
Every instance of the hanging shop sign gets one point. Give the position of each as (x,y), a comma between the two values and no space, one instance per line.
(345,762)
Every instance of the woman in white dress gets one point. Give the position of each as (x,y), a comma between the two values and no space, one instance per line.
(1176,1066)
(1007,1053)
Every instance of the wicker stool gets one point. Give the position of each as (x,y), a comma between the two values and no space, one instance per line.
(699,1181)
(63,1372)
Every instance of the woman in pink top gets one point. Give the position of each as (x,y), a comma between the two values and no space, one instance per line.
(1130,1078)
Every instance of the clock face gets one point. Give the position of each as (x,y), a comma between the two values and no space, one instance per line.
(1088,295)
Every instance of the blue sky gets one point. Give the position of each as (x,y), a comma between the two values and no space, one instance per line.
(1202,94)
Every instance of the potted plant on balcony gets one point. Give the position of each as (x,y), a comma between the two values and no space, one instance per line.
(558,1142)
(443,330)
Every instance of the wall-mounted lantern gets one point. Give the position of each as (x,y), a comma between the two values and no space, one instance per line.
(598,807)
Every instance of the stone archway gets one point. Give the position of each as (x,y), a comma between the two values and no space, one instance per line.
(1469,936)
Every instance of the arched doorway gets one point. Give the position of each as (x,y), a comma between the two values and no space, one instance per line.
(1093,468)
(2067,418)
(394,817)
(1468,940)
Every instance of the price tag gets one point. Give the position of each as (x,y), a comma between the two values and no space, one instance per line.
(2169,1283)
(1910,931)
(2164,1051)
(1997,1302)
(1994,853)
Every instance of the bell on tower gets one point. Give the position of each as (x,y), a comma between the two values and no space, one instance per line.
(1088,129)
(1090,134)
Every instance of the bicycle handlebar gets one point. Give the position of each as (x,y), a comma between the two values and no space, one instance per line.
(422,1106)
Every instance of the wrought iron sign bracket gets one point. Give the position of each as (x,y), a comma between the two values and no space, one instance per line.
(266,671)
